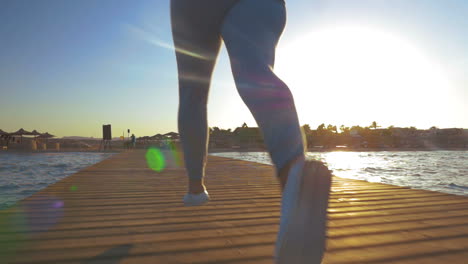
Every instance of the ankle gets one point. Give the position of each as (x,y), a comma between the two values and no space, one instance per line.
(196,186)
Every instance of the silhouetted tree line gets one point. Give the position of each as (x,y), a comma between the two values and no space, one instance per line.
(354,137)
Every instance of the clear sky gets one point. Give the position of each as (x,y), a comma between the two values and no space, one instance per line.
(67,66)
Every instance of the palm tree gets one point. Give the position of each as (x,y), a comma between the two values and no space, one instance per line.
(374,125)
(342,128)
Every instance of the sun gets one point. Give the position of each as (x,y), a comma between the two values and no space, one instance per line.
(353,74)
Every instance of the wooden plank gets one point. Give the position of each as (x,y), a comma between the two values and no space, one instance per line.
(120,211)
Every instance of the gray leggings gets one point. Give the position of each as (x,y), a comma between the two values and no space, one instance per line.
(250,30)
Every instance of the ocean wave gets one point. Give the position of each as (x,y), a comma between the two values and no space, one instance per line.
(382,170)
(23,175)
(27,191)
(456,186)
(437,171)
(63,165)
(9,186)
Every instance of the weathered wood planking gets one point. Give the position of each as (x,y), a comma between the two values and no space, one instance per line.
(119,211)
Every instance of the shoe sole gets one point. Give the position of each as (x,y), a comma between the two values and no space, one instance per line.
(198,203)
(305,234)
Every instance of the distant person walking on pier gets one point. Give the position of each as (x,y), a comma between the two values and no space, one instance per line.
(250,30)
(133,140)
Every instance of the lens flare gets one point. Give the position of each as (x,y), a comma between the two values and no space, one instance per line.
(35,215)
(73,188)
(176,159)
(154,40)
(155,159)
(58,204)
(43,212)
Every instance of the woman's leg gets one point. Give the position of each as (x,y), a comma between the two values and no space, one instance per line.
(251,32)
(197,42)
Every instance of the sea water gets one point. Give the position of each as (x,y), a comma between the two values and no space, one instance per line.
(23,174)
(442,171)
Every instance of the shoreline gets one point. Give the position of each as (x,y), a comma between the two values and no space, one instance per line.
(227,150)
(122,151)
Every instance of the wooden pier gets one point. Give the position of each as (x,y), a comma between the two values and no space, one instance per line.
(120,211)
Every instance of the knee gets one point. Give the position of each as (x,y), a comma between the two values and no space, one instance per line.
(261,84)
(192,110)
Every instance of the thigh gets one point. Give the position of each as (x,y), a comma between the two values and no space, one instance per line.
(251,31)
(196,28)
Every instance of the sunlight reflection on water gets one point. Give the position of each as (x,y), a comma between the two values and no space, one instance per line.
(443,171)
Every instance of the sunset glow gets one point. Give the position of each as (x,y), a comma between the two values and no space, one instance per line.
(352,71)
(68,68)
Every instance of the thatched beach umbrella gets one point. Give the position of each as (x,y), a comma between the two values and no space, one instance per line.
(35,133)
(46,135)
(5,138)
(158,137)
(4,135)
(172,135)
(21,132)
(144,139)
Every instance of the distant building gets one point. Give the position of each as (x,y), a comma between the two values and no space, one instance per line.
(248,136)
(220,138)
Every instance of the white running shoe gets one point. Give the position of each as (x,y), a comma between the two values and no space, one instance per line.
(302,232)
(191,199)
